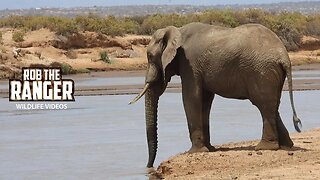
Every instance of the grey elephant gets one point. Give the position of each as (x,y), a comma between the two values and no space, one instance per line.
(246,62)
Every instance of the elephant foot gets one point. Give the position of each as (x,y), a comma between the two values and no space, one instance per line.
(285,140)
(267,145)
(287,143)
(211,148)
(194,149)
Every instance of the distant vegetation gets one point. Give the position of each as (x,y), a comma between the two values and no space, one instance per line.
(289,26)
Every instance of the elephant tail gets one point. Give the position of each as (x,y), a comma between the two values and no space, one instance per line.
(296,121)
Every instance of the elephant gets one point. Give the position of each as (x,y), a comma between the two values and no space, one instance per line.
(246,62)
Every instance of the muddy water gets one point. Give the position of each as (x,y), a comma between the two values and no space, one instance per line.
(310,74)
(103,81)
(101,137)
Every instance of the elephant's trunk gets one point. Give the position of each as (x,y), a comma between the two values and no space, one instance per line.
(151,110)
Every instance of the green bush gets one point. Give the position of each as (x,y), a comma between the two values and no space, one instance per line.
(65,68)
(18,36)
(104,57)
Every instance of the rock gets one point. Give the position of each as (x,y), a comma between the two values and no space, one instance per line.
(250,153)
(16,52)
(290,153)
(190,172)
(71,54)
(259,153)
(125,54)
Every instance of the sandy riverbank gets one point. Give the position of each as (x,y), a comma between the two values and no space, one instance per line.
(241,161)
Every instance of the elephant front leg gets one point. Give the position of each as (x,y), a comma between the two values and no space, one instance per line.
(192,101)
(207,98)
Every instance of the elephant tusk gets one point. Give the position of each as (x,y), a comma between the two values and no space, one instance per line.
(141,94)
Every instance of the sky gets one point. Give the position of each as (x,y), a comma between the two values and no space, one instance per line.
(23,4)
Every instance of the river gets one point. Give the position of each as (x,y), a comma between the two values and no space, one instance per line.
(102,137)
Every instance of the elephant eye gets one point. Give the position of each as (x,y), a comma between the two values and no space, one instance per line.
(159,41)
(149,56)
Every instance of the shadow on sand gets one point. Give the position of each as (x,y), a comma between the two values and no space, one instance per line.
(251,148)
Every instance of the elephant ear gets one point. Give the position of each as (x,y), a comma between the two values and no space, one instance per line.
(171,42)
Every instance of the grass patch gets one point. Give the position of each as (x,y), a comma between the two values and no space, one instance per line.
(104,57)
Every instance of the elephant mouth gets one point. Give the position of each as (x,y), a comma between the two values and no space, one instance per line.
(160,90)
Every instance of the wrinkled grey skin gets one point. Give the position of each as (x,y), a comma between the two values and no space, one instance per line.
(247,62)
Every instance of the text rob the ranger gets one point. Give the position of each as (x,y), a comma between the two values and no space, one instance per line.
(41,84)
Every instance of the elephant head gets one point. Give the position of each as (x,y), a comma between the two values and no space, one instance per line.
(161,52)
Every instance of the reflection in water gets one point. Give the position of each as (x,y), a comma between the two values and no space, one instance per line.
(104,138)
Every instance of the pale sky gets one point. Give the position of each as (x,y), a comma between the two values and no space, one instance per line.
(17,4)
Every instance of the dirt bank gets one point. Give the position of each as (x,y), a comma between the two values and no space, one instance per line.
(240,161)
(83,51)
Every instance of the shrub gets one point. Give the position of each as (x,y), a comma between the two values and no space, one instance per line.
(254,16)
(289,35)
(18,36)
(65,68)
(313,26)
(66,28)
(104,57)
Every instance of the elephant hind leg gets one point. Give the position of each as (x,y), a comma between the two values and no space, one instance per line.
(207,98)
(273,139)
(270,138)
(284,138)
(268,107)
